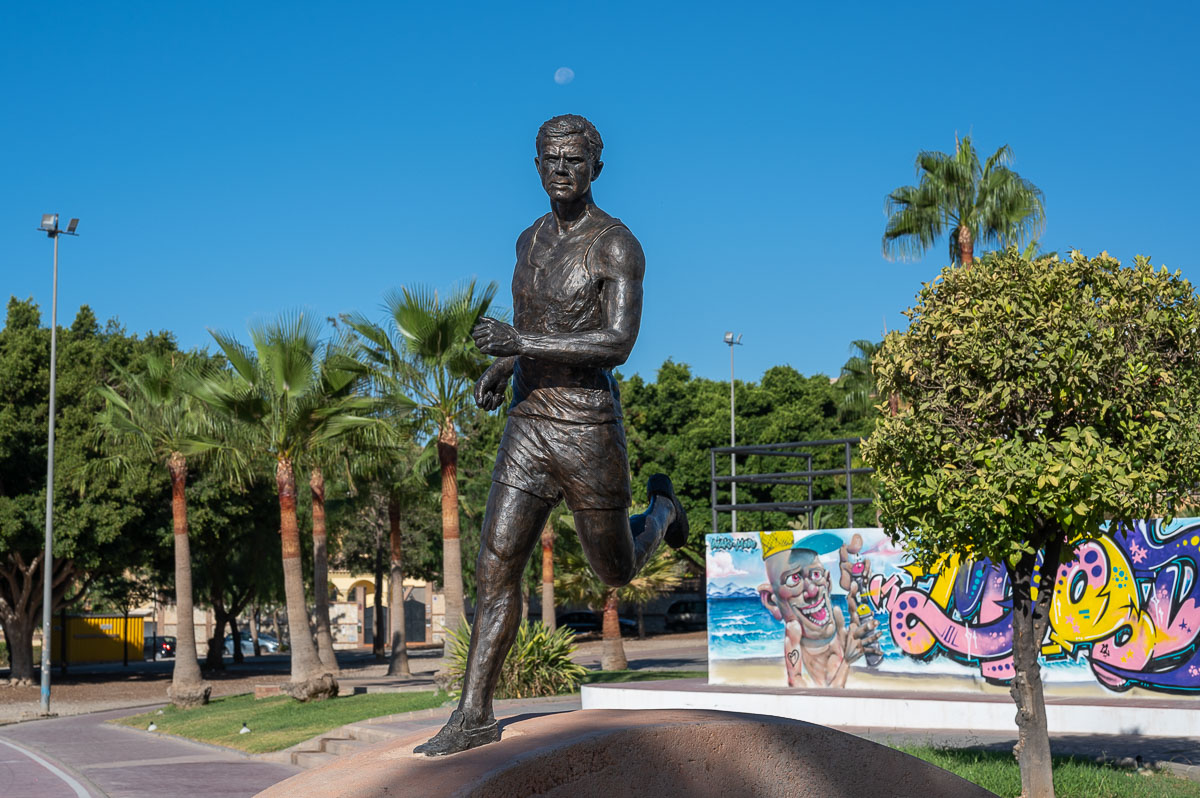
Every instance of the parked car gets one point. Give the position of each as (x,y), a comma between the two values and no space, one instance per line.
(587,622)
(266,643)
(686,616)
(165,649)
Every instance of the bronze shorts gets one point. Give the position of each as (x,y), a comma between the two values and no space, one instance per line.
(586,464)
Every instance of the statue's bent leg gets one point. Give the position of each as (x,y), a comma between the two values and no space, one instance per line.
(512,525)
(616,545)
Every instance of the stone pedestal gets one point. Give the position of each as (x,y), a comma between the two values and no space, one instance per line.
(623,754)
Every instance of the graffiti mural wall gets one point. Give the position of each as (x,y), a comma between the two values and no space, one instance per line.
(848,608)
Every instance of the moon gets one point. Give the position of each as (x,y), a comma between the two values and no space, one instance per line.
(564,75)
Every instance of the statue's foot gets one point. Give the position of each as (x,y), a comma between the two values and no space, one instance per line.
(677,533)
(456,736)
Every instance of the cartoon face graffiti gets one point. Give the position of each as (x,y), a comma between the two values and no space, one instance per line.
(799,591)
(819,642)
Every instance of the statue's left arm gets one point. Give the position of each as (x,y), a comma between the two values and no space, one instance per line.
(618,262)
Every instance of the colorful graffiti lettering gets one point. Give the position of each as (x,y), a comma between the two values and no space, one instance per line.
(959,609)
(1127,603)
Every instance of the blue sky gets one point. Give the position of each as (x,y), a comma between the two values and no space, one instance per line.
(231,160)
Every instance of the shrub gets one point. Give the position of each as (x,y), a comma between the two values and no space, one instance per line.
(538,664)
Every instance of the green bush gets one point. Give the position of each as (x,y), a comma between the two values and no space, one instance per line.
(538,664)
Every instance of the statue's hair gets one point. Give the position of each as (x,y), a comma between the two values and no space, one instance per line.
(569,125)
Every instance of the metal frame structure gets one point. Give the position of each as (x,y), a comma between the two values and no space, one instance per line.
(796,449)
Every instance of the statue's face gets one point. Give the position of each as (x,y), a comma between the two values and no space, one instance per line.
(802,590)
(565,168)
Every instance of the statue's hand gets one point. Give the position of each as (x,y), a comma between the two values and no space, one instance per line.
(494,337)
(489,390)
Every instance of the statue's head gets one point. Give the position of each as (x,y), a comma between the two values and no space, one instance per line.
(568,156)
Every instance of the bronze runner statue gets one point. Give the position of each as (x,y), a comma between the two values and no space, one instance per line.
(577,307)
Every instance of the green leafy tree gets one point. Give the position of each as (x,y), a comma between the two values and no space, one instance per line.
(1040,399)
(427,357)
(671,424)
(973,203)
(234,530)
(150,417)
(287,403)
(113,524)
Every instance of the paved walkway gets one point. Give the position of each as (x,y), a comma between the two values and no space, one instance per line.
(85,756)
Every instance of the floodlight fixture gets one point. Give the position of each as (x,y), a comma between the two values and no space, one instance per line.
(49,222)
(71,225)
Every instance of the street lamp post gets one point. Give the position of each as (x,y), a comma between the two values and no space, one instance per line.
(729,339)
(50,227)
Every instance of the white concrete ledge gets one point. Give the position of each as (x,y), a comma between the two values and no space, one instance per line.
(893,710)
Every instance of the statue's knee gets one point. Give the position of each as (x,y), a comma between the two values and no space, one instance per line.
(616,574)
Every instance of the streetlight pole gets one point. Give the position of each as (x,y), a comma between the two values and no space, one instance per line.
(50,227)
(729,339)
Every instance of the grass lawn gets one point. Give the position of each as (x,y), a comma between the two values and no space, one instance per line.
(277,723)
(1073,778)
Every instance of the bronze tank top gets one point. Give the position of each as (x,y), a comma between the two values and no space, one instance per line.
(562,295)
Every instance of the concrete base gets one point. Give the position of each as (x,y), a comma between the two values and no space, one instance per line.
(880,709)
(652,754)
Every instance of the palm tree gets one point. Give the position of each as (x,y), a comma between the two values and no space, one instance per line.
(577,583)
(856,383)
(988,204)
(288,404)
(153,417)
(426,360)
(316,485)
(335,356)
(396,470)
(548,615)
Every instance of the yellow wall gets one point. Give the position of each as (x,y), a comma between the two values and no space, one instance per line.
(98,639)
(344,581)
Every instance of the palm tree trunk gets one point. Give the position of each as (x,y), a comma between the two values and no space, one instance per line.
(452,584)
(316,482)
(612,656)
(548,614)
(966,247)
(254,630)
(236,634)
(379,634)
(187,687)
(398,662)
(309,679)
